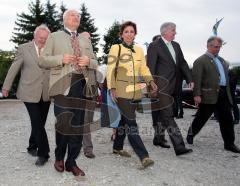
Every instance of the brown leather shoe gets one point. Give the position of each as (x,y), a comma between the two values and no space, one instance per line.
(59,165)
(146,162)
(122,153)
(89,155)
(76,171)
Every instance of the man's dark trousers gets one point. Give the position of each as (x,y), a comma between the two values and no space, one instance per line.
(223,108)
(38,139)
(71,141)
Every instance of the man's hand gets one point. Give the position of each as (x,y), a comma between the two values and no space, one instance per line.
(114,133)
(197,100)
(68,59)
(83,61)
(5,92)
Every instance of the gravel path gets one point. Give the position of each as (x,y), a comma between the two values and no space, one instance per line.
(209,164)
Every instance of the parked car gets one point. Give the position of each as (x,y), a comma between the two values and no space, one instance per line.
(237,94)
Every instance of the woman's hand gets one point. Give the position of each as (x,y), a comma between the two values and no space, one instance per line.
(153,88)
(114,133)
(113,95)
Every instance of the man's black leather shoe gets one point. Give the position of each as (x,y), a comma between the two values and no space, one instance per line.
(183,151)
(179,116)
(41,161)
(162,143)
(32,152)
(232,148)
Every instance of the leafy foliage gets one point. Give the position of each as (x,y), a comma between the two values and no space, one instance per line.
(110,38)
(38,14)
(6,58)
(51,17)
(87,24)
(60,15)
(47,14)
(26,23)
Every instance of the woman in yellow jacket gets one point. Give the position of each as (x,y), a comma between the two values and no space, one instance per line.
(126,64)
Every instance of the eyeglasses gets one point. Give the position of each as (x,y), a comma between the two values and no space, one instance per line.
(217,46)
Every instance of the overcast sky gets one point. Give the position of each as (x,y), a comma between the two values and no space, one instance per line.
(194,19)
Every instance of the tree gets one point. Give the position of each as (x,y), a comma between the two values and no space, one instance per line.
(26,23)
(87,24)
(51,17)
(110,38)
(60,14)
(6,57)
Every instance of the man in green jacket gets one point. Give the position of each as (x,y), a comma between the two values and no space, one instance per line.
(211,92)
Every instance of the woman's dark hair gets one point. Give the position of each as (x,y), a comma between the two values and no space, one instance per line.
(126,24)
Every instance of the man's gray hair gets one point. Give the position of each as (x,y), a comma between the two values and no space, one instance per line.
(213,38)
(66,12)
(166,26)
(41,27)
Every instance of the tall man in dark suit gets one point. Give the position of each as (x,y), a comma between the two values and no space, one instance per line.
(33,91)
(165,59)
(211,92)
(72,80)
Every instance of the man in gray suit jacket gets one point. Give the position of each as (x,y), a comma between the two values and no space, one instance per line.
(212,93)
(165,61)
(33,91)
(72,82)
